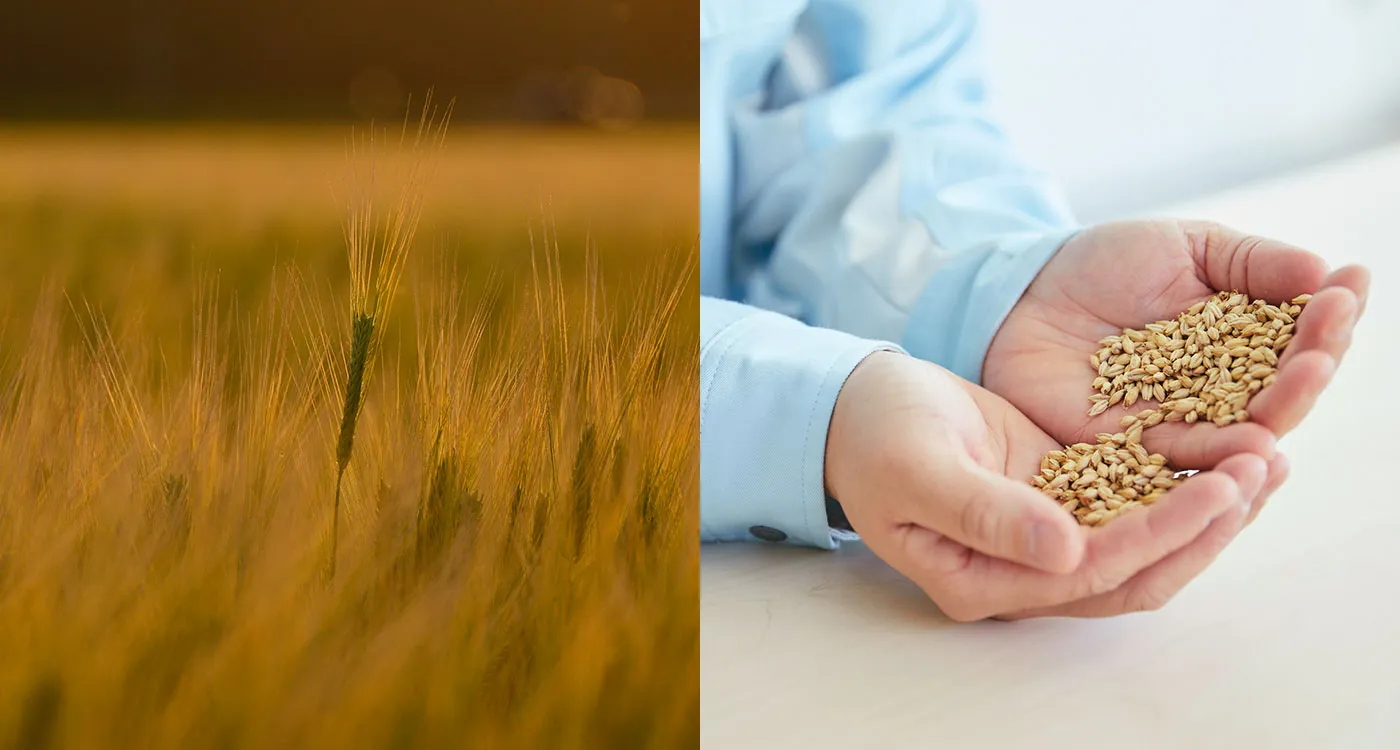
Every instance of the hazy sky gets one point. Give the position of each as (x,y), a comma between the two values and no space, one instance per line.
(336,58)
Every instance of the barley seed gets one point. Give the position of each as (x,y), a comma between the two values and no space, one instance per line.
(1205,364)
(1221,346)
(1098,483)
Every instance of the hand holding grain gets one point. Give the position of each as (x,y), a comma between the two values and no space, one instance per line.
(1125,275)
(930,471)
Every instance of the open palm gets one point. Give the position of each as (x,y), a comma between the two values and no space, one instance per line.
(932,473)
(1138,563)
(1125,275)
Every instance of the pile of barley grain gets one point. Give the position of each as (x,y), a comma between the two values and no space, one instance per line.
(1098,482)
(1205,364)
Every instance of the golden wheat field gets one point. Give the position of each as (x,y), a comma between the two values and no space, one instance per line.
(510,558)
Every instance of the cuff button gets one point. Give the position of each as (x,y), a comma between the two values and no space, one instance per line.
(767,533)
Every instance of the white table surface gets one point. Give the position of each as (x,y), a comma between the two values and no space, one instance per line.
(1291,640)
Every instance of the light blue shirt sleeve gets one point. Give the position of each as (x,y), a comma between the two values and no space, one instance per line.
(768,385)
(874,195)
(872,198)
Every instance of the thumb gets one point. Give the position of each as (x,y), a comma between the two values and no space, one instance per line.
(1260,267)
(995,515)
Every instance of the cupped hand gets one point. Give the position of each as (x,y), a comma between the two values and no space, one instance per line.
(1128,274)
(932,473)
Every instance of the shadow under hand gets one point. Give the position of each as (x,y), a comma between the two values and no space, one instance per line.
(847,587)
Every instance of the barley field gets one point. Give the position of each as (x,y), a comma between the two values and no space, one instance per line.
(296,453)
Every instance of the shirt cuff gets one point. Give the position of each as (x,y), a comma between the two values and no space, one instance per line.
(768,385)
(962,307)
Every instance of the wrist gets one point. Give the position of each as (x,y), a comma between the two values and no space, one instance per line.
(841,439)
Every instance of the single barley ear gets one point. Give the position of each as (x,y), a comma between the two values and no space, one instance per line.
(450,510)
(581,488)
(362,333)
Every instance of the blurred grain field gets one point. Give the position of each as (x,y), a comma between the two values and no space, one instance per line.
(517,563)
(145,209)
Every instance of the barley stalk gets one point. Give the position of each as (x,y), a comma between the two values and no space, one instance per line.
(449,506)
(378,248)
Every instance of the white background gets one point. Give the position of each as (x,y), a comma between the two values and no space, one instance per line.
(1134,104)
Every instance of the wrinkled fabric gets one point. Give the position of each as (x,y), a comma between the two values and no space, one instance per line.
(855,196)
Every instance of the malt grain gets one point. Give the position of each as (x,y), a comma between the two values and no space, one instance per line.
(1204,365)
